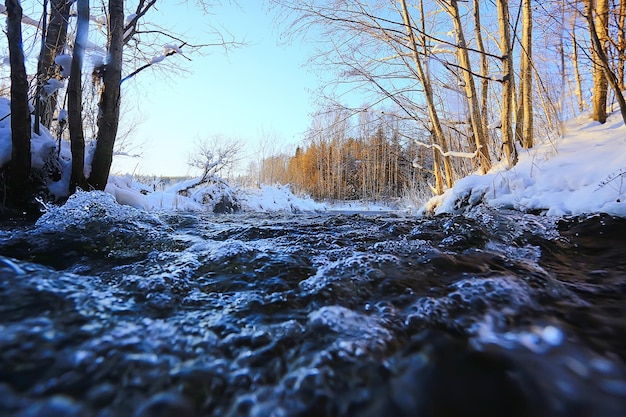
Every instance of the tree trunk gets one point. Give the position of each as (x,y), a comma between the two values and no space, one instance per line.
(54,42)
(437,131)
(526,77)
(604,62)
(600,82)
(470,89)
(18,189)
(74,99)
(621,43)
(484,65)
(577,78)
(507,91)
(109,105)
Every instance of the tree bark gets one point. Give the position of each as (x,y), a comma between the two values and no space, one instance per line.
(621,43)
(54,42)
(109,104)
(603,61)
(600,81)
(18,190)
(74,99)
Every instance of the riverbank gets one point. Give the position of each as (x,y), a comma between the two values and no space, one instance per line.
(582,172)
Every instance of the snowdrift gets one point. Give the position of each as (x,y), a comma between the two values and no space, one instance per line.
(582,172)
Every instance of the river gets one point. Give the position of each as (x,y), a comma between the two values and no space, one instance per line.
(109,311)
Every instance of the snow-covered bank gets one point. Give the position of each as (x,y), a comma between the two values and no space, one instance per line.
(582,172)
(213,197)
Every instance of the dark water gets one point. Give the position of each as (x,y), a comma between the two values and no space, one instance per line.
(107,311)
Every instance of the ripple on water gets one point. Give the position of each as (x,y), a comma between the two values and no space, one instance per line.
(359,267)
(356,332)
(467,300)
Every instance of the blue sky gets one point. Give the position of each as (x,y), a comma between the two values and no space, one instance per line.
(260,87)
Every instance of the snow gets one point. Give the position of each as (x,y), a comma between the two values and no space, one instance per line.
(582,172)
(62,115)
(53,85)
(266,199)
(157,59)
(130,18)
(277,198)
(65,62)
(169,49)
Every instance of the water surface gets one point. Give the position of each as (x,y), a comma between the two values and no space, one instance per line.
(108,311)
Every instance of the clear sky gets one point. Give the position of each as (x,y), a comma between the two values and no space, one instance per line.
(260,87)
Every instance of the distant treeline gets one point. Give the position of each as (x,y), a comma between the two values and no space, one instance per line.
(375,166)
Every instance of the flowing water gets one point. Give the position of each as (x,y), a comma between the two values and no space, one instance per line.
(108,311)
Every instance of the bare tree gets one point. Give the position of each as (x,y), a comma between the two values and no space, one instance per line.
(211,157)
(507,81)
(576,69)
(109,107)
(55,37)
(599,30)
(75,96)
(602,61)
(465,67)
(484,65)
(437,131)
(18,187)
(621,43)
(525,119)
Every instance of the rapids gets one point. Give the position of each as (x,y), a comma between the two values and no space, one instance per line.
(109,311)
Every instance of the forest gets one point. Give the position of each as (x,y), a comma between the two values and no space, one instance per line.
(454,87)
(446,88)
